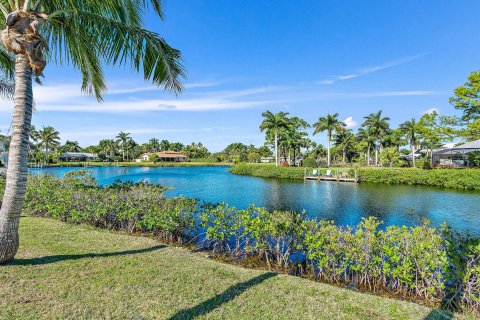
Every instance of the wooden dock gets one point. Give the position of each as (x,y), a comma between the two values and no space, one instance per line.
(339,177)
(332,178)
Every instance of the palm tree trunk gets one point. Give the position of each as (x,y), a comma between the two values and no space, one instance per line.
(328,148)
(376,155)
(413,154)
(276,149)
(344,155)
(16,183)
(368,156)
(46,153)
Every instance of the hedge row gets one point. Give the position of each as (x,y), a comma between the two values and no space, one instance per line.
(446,178)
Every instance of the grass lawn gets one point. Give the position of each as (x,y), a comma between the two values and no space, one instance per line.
(67,271)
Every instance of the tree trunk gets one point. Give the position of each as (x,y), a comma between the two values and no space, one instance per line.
(368,156)
(344,155)
(328,148)
(413,154)
(276,149)
(46,153)
(16,183)
(376,154)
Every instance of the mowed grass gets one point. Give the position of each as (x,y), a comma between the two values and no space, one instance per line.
(66,271)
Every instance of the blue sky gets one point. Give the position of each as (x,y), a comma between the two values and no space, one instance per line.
(307,57)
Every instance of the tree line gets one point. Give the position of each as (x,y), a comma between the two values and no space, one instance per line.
(376,142)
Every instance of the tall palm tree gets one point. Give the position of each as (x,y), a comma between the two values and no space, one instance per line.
(122,140)
(331,124)
(48,137)
(378,126)
(273,123)
(88,35)
(410,130)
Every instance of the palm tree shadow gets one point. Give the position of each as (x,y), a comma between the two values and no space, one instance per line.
(211,304)
(438,314)
(64,257)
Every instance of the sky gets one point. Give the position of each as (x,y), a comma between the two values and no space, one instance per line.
(305,57)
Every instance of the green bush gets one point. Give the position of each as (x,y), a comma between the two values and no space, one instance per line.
(133,207)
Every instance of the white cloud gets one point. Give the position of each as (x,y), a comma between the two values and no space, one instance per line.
(371,69)
(350,122)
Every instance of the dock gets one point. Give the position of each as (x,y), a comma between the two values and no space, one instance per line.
(337,177)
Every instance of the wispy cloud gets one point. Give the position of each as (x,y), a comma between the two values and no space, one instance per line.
(371,69)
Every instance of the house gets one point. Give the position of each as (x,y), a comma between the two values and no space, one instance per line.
(267,159)
(455,156)
(78,156)
(166,156)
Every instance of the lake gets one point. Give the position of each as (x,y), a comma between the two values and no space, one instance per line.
(345,203)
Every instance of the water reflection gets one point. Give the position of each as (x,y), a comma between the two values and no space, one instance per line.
(345,203)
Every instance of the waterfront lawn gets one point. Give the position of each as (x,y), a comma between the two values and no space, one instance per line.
(69,271)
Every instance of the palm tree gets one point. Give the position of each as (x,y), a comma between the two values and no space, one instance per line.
(122,140)
(153,145)
(378,126)
(88,35)
(345,140)
(48,138)
(365,136)
(331,124)
(71,146)
(274,122)
(410,130)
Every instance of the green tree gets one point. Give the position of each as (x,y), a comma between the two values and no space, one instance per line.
(467,97)
(331,124)
(253,157)
(378,126)
(88,35)
(345,140)
(273,123)
(411,132)
(153,145)
(49,138)
(390,155)
(122,140)
(71,146)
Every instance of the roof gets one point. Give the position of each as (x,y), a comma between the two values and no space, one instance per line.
(168,154)
(469,145)
(79,154)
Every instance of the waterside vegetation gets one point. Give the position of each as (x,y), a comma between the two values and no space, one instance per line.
(391,261)
(446,178)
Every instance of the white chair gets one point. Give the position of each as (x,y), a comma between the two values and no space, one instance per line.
(328,173)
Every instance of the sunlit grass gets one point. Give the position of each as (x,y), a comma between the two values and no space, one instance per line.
(68,271)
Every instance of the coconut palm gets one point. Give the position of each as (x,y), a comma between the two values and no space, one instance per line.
(331,124)
(49,138)
(378,126)
(273,123)
(88,35)
(410,130)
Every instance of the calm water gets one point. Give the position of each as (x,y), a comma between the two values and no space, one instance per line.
(345,203)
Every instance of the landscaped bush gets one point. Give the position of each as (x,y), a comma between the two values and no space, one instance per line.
(138,207)
(438,267)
